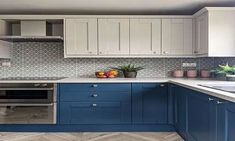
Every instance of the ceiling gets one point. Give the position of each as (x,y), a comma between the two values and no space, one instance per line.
(141,7)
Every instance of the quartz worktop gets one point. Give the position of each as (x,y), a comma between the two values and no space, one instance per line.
(188,83)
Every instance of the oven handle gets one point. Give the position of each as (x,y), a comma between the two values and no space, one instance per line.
(26,104)
(25,89)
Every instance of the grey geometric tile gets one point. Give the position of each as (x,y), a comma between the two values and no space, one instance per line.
(172,64)
(206,63)
(47,59)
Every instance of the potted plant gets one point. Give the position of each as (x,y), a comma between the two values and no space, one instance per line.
(228,71)
(129,71)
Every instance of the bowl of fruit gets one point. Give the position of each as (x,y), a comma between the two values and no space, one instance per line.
(106,74)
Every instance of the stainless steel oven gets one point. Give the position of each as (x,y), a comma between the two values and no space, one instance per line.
(28,103)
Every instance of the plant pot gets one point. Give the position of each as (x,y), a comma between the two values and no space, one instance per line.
(130,74)
(230,77)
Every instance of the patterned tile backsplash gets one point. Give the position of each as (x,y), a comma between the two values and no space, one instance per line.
(38,59)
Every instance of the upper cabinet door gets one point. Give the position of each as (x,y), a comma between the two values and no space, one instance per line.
(177,37)
(145,36)
(113,35)
(201,34)
(80,37)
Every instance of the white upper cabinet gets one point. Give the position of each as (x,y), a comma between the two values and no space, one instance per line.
(215,32)
(145,37)
(80,37)
(113,36)
(177,37)
(201,35)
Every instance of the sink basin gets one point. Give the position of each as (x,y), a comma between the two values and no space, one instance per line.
(222,87)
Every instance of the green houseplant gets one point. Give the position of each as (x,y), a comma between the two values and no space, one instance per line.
(228,71)
(129,71)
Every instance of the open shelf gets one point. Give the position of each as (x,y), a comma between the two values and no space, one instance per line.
(31,30)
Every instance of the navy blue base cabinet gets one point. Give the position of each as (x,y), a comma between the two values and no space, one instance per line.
(180,105)
(140,107)
(226,121)
(95,103)
(149,103)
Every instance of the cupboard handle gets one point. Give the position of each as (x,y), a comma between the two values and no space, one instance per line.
(100,52)
(154,52)
(94,105)
(90,52)
(165,52)
(162,85)
(219,102)
(94,95)
(195,52)
(210,99)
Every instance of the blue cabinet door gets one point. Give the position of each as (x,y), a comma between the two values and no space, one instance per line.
(149,103)
(201,117)
(180,104)
(95,113)
(95,104)
(226,121)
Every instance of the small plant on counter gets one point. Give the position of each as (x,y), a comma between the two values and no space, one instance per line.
(228,71)
(129,71)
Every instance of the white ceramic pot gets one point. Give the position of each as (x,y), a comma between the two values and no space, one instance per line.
(230,77)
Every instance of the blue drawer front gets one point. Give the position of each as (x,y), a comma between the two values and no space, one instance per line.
(94,87)
(95,113)
(95,96)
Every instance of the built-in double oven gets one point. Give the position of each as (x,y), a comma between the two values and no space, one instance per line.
(28,103)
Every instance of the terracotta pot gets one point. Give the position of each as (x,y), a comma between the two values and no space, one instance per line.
(192,73)
(178,73)
(205,73)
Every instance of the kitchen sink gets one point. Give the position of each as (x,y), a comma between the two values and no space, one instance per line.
(222,87)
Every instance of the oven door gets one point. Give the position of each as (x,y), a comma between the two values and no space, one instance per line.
(19,113)
(20,93)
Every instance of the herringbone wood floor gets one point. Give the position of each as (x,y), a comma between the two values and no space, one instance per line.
(92,136)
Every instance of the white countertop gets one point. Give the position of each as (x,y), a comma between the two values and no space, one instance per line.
(188,83)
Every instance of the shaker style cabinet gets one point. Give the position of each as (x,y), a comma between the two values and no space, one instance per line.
(149,103)
(226,120)
(180,102)
(215,32)
(201,35)
(80,37)
(145,37)
(177,37)
(113,36)
(201,117)
(95,103)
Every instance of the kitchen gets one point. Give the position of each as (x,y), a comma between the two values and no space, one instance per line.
(70,74)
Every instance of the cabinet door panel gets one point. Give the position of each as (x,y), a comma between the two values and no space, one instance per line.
(180,109)
(225,121)
(95,112)
(113,36)
(145,36)
(202,35)
(198,120)
(149,103)
(80,37)
(177,37)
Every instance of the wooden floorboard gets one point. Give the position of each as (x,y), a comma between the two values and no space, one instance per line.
(91,136)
